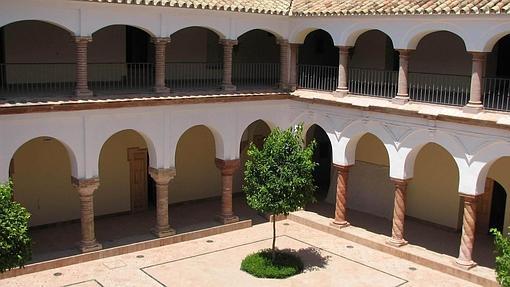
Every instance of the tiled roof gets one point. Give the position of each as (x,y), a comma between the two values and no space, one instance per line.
(280,7)
(336,7)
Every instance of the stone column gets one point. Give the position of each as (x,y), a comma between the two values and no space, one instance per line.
(475,94)
(227,167)
(82,87)
(343,65)
(86,189)
(402,93)
(468,232)
(227,64)
(293,73)
(399,212)
(160,64)
(342,172)
(162,177)
(284,64)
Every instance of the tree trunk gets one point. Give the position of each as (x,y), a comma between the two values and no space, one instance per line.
(274,238)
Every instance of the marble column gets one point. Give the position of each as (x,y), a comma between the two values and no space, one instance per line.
(227,168)
(160,64)
(342,172)
(468,232)
(86,189)
(399,212)
(162,177)
(343,75)
(402,96)
(82,87)
(475,94)
(227,64)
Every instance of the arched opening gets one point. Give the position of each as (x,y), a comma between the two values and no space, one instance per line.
(41,172)
(194,59)
(318,62)
(194,192)
(498,207)
(497,76)
(373,65)
(440,70)
(256,60)
(255,133)
(121,59)
(46,71)
(323,157)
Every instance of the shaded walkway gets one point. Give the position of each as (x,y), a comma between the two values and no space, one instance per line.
(426,235)
(62,239)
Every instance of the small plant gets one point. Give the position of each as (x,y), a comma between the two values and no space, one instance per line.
(278,178)
(262,265)
(15,244)
(502,244)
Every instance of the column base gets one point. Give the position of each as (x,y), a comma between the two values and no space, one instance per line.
(400,99)
(340,93)
(86,247)
(473,108)
(83,93)
(396,242)
(283,86)
(162,231)
(226,219)
(339,224)
(465,264)
(161,90)
(228,87)
(292,87)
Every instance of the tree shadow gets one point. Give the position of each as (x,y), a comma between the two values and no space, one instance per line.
(312,258)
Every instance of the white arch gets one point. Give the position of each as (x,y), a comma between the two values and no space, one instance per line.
(415,34)
(491,37)
(351,35)
(245,125)
(145,29)
(215,30)
(299,35)
(54,22)
(246,30)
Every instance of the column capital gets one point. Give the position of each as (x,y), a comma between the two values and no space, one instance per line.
(282,42)
(404,52)
(228,42)
(85,186)
(469,197)
(342,168)
(227,167)
(160,40)
(162,176)
(400,183)
(83,39)
(479,56)
(344,49)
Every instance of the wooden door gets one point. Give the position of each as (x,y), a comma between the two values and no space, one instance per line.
(137,158)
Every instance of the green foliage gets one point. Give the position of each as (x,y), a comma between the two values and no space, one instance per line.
(261,265)
(15,244)
(502,244)
(278,178)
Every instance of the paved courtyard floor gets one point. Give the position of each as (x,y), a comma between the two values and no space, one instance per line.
(215,261)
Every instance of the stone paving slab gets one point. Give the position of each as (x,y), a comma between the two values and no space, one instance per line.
(215,261)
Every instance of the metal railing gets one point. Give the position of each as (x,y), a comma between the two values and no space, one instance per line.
(317,77)
(182,76)
(46,79)
(257,75)
(377,83)
(121,77)
(439,89)
(496,94)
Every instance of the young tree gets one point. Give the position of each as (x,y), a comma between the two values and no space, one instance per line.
(502,244)
(278,178)
(15,244)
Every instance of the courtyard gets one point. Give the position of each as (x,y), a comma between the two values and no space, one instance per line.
(214,261)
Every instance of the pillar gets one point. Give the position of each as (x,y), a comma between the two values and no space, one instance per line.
(82,87)
(343,65)
(399,212)
(293,72)
(227,168)
(227,64)
(402,92)
(475,94)
(284,64)
(342,172)
(160,64)
(468,232)
(86,189)
(162,177)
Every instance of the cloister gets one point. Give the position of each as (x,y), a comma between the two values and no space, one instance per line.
(123,109)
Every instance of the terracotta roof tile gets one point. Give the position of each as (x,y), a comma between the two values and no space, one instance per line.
(336,7)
